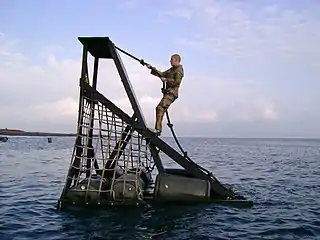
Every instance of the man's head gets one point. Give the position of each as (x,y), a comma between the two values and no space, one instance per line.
(175,60)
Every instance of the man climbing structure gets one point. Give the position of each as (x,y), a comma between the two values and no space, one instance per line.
(172,79)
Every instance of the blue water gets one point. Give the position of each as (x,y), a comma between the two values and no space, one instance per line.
(282,177)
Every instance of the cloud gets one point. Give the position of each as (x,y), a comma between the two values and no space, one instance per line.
(49,91)
(128,4)
(180,12)
(43,96)
(262,33)
(268,56)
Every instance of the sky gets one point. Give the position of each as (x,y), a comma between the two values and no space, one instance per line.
(251,67)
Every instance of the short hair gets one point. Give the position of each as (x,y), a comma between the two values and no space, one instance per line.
(176,56)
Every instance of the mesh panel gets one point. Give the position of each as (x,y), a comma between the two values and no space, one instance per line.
(115,164)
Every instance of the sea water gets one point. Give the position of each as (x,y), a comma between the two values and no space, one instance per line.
(282,177)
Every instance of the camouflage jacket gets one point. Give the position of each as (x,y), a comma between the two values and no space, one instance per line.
(173,76)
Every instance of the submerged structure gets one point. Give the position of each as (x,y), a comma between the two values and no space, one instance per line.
(116,160)
(3,139)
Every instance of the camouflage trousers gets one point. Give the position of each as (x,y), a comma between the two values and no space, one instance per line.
(163,105)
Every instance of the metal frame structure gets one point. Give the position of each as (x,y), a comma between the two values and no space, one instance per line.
(104,48)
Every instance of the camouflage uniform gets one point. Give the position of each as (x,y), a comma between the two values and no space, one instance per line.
(174,77)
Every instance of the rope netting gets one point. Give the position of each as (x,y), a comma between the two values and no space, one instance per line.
(110,160)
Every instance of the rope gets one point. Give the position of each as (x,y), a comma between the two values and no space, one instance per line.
(141,61)
(170,125)
(184,153)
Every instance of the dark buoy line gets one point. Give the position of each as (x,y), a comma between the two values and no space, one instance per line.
(5,139)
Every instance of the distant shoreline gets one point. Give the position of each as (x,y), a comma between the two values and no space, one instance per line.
(14,132)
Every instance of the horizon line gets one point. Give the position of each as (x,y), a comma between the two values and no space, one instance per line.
(19,132)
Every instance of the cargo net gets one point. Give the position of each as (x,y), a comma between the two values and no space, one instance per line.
(115,166)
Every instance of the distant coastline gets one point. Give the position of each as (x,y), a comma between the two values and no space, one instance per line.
(17,132)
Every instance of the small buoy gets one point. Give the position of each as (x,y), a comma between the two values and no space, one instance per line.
(3,139)
(49,140)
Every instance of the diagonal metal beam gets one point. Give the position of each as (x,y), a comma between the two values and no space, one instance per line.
(155,154)
(133,100)
(127,84)
(189,165)
(118,149)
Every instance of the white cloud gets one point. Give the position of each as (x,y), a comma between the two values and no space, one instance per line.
(181,12)
(128,3)
(56,110)
(44,97)
(268,54)
(269,112)
(261,33)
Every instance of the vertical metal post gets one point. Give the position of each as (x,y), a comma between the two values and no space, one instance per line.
(74,171)
(90,153)
(84,73)
(95,73)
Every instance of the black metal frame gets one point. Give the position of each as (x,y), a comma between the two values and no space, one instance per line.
(102,47)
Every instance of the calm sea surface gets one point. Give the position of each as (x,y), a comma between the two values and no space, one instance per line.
(282,177)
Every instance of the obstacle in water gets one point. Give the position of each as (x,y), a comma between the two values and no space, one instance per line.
(3,139)
(116,159)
